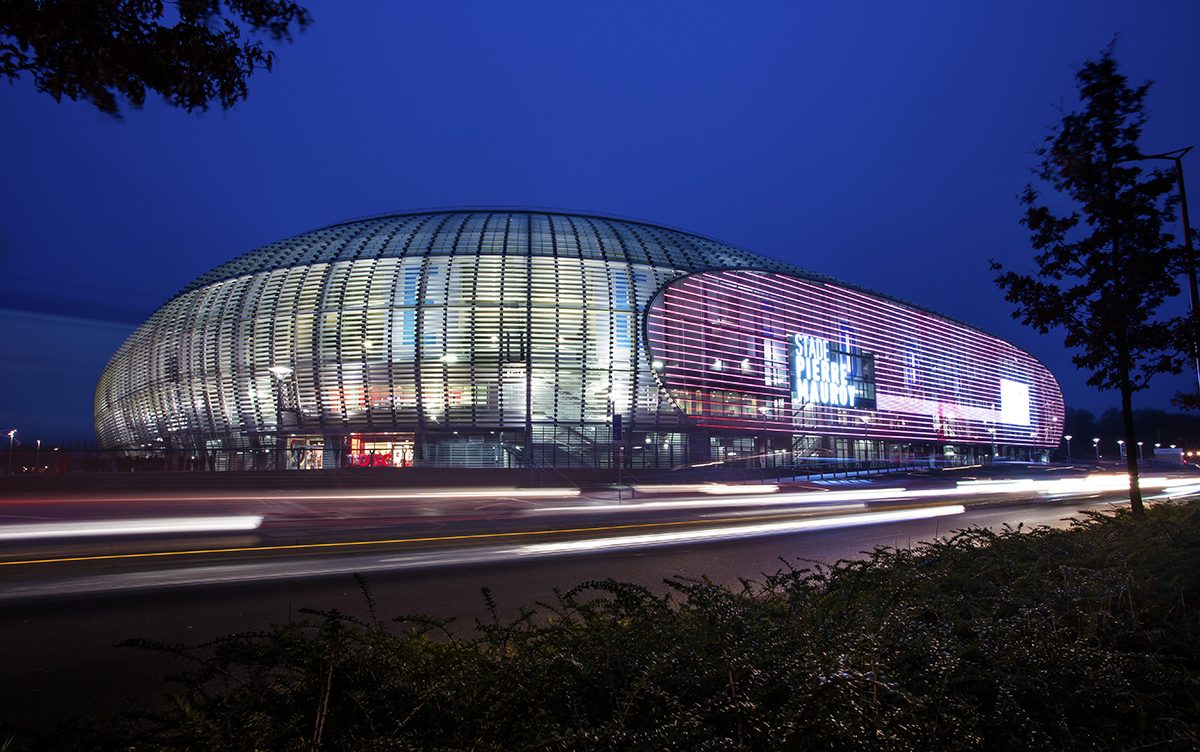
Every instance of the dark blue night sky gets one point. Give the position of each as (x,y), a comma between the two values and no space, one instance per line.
(883,143)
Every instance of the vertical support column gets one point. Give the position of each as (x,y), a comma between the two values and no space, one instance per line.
(528,339)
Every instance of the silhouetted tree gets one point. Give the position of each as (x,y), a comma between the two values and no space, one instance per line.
(192,52)
(1080,425)
(1161,427)
(1105,268)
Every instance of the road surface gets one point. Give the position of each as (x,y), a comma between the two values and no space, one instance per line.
(66,601)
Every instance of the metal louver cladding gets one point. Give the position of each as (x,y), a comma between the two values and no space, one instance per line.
(755,351)
(514,338)
(492,337)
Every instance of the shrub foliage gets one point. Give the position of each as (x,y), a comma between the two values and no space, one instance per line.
(1018,639)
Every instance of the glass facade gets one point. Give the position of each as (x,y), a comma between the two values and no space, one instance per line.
(480,339)
(484,338)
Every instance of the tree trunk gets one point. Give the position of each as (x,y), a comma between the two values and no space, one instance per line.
(1131,460)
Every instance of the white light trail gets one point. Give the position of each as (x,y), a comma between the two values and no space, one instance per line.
(1175,491)
(99,528)
(732,496)
(823,508)
(276,569)
(715,489)
(457,493)
(508,493)
(1098,483)
(821,499)
(720,489)
(733,533)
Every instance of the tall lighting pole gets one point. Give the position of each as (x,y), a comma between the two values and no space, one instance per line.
(866,421)
(12,437)
(1068,437)
(1096,444)
(1189,261)
(281,374)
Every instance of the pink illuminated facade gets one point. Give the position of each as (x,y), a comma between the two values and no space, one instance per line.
(810,367)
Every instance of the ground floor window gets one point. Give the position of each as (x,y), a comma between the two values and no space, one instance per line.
(380,450)
(591,446)
(306,452)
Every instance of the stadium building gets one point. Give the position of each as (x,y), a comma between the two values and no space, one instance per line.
(481,338)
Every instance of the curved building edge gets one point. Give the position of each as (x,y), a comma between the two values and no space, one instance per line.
(570,423)
(773,353)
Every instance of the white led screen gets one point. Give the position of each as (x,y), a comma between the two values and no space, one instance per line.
(1014,403)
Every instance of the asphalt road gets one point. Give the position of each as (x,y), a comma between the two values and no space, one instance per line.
(57,636)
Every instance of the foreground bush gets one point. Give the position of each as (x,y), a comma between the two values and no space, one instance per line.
(1079,639)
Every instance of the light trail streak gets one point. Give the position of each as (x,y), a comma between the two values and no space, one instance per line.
(966,489)
(767,495)
(825,501)
(709,488)
(1100,482)
(742,531)
(264,570)
(810,509)
(486,493)
(1175,492)
(100,528)
(720,489)
(354,544)
(818,499)
(269,569)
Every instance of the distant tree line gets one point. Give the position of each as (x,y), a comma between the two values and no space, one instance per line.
(1153,426)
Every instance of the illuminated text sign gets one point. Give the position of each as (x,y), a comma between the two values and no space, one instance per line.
(822,374)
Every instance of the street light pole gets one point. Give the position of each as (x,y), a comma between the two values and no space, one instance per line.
(866,421)
(1189,266)
(1096,444)
(281,374)
(1141,454)
(12,437)
(1068,437)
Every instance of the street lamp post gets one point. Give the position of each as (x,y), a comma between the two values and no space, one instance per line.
(12,437)
(1141,454)
(866,421)
(281,374)
(1096,445)
(1068,437)
(1189,266)
(1121,449)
